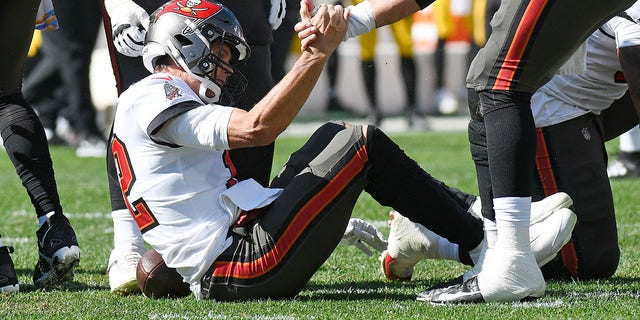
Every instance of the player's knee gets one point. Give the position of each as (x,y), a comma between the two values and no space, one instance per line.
(596,244)
(590,262)
(318,140)
(341,124)
(374,136)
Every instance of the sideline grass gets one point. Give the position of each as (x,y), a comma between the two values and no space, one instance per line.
(348,286)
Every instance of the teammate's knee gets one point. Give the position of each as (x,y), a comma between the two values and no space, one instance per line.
(585,263)
(596,243)
(601,265)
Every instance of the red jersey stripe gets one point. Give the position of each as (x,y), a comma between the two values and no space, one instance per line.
(519,44)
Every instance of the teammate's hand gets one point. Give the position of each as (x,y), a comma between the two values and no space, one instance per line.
(330,24)
(277,12)
(362,235)
(129,23)
(305,28)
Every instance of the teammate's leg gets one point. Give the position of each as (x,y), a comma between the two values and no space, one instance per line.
(26,145)
(529,29)
(571,157)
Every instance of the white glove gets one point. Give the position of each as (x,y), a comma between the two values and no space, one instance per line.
(360,232)
(129,23)
(129,40)
(278,10)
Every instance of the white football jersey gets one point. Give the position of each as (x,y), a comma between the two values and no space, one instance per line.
(173,191)
(566,97)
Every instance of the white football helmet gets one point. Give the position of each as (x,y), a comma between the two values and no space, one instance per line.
(185,30)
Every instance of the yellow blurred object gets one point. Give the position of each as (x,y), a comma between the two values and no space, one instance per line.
(443,19)
(36,43)
(479,31)
(401,31)
(453,19)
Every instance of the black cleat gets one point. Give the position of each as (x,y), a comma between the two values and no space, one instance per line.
(428,294)
(465,292)
(59,252)
(8,277)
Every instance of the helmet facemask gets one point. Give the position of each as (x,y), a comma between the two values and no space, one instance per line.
(189,41)
(210,64)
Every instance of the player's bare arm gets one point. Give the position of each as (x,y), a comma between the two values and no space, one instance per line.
(630,63)
(278,108)
(365,16)
(390,11)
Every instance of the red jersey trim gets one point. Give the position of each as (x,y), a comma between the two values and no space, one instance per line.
(513,59)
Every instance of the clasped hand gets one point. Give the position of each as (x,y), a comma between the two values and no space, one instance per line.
(323,28)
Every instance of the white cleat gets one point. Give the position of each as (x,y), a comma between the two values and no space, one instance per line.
(122,271)
(542,209)
(513,275)
(505,275)
(409,243)
(547,237)
(551,227)
(623,168)
(550,235)
(508,275)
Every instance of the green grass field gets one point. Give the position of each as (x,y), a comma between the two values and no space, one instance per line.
(348,286)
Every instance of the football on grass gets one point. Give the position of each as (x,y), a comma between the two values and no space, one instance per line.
(156,280)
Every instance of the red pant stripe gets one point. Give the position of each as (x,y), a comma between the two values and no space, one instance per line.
(550,186)
(570,258)
(543,165)
(268,261)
